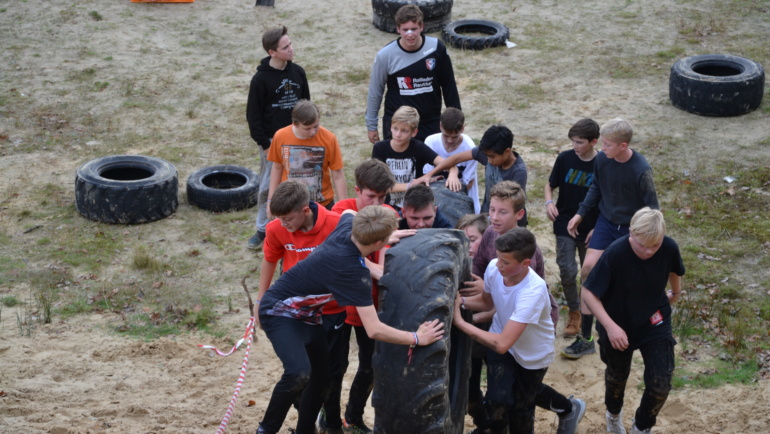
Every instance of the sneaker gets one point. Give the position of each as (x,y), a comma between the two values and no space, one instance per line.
(323,428)
(355,428)
(635,430)
(615,423)
(573,325)
(569,423)
(255,242)
(579,348)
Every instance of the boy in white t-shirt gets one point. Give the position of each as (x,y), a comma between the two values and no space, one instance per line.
(522,333)
(450,141)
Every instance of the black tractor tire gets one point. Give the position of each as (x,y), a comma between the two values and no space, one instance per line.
(436,13)
(223,188)
(429,395)
(126,189)
(452,204)
(716,85)
(453,34)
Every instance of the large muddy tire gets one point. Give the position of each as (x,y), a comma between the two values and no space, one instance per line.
(223,188)
(454,34)
(430,395)
(126,189)
(436,13)
(452,204)
(716,85)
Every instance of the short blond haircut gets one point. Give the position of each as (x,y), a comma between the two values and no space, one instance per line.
(617,130)
(373,223)
(510,190)
(406,115)
(648,226)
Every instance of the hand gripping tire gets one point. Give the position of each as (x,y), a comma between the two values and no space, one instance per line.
(436,13)
(223,188)
(452,204)
(126,189)
(430,395)
(716,85)
(453,34)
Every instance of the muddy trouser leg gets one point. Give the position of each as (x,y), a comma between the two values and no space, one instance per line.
(568,270)
(363,382)
(338,340)
(302,370)
(476,407)
(658,359)
(521,417)
(551,400)
(618,366)
(501,370)
(264,185)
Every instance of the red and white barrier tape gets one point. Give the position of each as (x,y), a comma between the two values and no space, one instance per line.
(247,336)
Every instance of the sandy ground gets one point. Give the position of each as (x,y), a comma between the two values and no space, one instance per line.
(177,77)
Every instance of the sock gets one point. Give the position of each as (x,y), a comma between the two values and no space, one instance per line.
(587,326)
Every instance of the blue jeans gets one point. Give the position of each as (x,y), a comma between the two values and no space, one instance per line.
(303,351)
(658,359)
(568,270)
(265,167)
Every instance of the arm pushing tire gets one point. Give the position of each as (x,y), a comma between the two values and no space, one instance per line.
(126,189)
(429,395)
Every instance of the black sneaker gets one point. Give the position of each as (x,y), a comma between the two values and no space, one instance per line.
(355,428)
(255,242)
(579,348)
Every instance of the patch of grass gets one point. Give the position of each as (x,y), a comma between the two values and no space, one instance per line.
(144,260)
(10,301)
(96,16)
(100,85)
(670,53)
(717,375)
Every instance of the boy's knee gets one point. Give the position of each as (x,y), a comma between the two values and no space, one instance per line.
(298,379)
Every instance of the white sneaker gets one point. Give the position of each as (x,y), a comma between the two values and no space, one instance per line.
(615,423)
(635,430)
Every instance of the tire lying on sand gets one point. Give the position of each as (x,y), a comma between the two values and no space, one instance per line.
(430,395)
(436,13)
(223,188)
(452,204)
(126,189)
(454,34)
(716,85)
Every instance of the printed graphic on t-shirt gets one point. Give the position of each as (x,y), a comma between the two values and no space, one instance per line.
(414,86)
(579,178)
(305,164)
(306,309)
(291,91)
(403,170)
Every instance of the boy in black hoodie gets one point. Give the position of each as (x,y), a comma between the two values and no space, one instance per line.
(275,89)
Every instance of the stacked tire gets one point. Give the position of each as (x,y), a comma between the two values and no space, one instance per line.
(422,276)
(436,13)
(126,189)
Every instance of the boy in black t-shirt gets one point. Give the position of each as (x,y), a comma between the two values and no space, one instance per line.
(290,313)
(626,292)
(572,174)
(405,155)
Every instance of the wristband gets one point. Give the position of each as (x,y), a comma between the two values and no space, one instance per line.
(257,301)
(416,340)
(462,302)
(548,202)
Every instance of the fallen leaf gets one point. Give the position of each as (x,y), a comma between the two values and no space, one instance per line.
(251,403)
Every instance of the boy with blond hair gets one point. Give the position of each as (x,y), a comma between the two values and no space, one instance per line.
(417,72)
(309,153)
(622,184)
(290,313)
(405,155)
(626,291)
(450,141)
